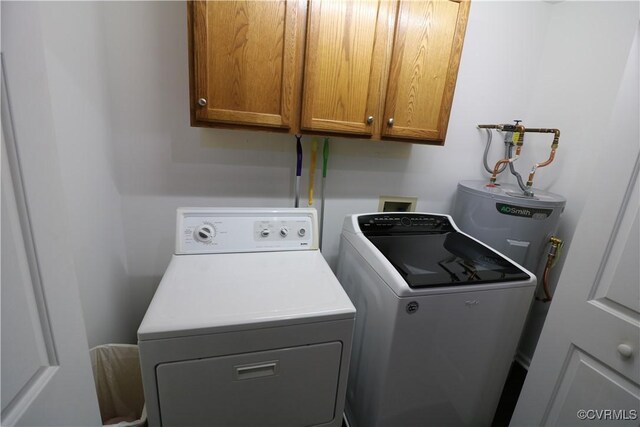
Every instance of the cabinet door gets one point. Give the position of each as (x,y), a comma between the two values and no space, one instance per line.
(243,61)
(424,67)
(346,43)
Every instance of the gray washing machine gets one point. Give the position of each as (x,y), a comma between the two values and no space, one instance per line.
(438,319)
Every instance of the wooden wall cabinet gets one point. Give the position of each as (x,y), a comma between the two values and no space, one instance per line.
(377,69)
(344,65)
(384,69)
(424,68)
(244,61)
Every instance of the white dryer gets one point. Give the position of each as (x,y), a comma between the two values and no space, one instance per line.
(439,317)
(248,327)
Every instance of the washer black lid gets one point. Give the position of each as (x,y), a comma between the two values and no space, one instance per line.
(427,252)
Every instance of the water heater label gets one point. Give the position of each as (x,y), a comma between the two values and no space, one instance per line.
(523,211)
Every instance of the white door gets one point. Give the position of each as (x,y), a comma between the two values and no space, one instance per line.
(46,373)
(586,367)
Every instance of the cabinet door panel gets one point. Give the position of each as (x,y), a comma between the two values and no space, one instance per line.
(244,61)
(343,66)
(424,67)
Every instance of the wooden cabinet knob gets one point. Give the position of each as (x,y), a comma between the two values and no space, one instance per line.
(202,102)
(390,122)
(370,119)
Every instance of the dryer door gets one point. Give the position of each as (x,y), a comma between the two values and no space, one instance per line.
(286,387)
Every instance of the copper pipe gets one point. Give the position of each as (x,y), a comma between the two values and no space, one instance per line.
(518,139)
(555,132)
(511,128)
(554,146)
(540,165)
(545,282)
(552,259)
(496,168)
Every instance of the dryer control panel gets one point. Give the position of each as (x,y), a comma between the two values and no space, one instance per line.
(218,230)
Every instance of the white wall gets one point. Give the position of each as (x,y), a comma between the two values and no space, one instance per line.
(76,65)
(74,57)
(148,160)
(163,163)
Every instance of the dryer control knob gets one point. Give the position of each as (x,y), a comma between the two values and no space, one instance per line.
(265,232)
(302,232)
(204,233)
(284,231)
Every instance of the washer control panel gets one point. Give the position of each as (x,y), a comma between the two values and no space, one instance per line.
(404,223)
(210,230)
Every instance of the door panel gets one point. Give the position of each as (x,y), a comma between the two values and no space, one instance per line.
(245,61)
(343,66)
(424,67)
(46,372)
(609,390)
(614,285)
(26,350)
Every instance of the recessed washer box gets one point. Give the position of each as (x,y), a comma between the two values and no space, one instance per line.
(397,204)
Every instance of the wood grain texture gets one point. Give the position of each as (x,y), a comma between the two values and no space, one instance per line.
(301,40)
(424,67)
(344,59)
(192,78)
(386,65)
(454,66)
(245,55)
(360,58)
(246,61)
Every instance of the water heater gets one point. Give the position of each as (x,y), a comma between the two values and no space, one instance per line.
(520,227)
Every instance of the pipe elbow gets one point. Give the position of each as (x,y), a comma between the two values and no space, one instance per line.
(556,138)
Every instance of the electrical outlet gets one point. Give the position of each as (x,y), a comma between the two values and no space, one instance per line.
(397,204)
